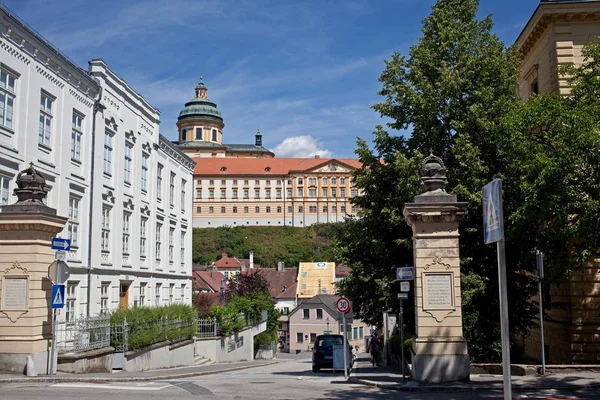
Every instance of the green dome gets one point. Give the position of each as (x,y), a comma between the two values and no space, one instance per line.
(200,106)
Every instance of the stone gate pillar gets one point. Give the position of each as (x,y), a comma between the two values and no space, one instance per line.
(26,230)
(440,349)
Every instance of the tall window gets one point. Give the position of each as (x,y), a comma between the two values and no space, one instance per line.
(73,226)
(157,294)
(171,244)
(235,193)
(4,193)
(245,193)
(104,297)
(46,103)
(143,224)
(198,193)
(76,134)
(183,195)
(145,172)
(105,239)
(300,192)
(268,193)
(172,190)
(127,171)
(158,241)
(312,192)
(324,192)
(159,181)
(333,193)
(143,294)
(182,249)
(171,287)
(223,193)
(211,193)
(299,337)
(306,313)
(319,313)
(333,181)
(214,135)
(324,181)
(343,193)
(7,97)
(245,210)
(182,293)
(126,232)
(256,193)
(289,193)
(353,192)
(257,209)
(108,148)
(70,297)
(198,133)
(278,193)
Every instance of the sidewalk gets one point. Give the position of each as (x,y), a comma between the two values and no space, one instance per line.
(388,378)
(128,376)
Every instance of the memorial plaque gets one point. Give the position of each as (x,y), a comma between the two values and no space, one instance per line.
(438,290)
(15,293)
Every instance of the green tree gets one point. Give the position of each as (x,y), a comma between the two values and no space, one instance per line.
(451,95)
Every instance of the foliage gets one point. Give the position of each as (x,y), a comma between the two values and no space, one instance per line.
(395,344)
(452,93)
(270,244)
(203,303)
(149,325)
(249,284)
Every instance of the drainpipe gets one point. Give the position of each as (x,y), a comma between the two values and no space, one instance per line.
(98,107)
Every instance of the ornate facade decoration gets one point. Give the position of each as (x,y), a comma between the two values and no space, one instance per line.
(32,186)
(433,175)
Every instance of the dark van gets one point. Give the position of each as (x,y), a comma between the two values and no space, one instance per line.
(322,356)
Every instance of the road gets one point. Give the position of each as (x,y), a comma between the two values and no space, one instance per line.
(289,379)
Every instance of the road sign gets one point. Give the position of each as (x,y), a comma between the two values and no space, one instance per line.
(372,331)
(493,224)
(327,331)
(405,274)
(60,255)
(404,286)
(58,296)
(343,305)
(403,296)
(61,244)
(58,272)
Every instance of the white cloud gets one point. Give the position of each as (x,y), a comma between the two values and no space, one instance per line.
(301,146)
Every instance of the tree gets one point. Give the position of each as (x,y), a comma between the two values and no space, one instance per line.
(452,93)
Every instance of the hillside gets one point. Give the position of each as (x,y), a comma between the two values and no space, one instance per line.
(270,244)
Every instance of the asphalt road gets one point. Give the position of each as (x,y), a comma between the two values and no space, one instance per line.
(289,379)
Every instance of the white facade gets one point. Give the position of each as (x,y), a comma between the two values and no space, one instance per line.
(97,142)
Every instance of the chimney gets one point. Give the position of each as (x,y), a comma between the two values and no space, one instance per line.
(224,255)
(251,260)
(280,266)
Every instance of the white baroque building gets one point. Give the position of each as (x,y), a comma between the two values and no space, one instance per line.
(125,188)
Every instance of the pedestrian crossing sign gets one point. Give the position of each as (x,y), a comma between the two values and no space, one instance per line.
(493,229)
(58,296)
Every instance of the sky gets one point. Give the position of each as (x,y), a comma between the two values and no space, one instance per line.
(304,72)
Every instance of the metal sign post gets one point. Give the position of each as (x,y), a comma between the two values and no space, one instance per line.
(539,258)
(343,306)
(493,231)
(58,301)
(401,324)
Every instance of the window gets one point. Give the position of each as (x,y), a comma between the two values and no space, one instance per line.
(145,172)
(73,227)
(534,89)
(199,210)
(159,181)
(183,135)
(222,210)
(313,337)
(246,195)
(46,103)
(353,209)
(324,209)
(268,181)
(312,209)
(104,286)
(198,133)
(278,182)
(342,181)
(306,313)
(222,193)
(245,210)
(312,181)
(171,286)
(76,134)
(324,192)
(289,181)
(299,337)
(290,208)
(4,193)
(361,332)
(127,170)
(289,193)
(126,232)
(353,192)
(7,97)
(257,182)
(183,293)
(300,192)
(355,332)
(333,193)
(172,190)
(235,181)
(300,209)
(246,182)
(183,195)
(324,181)
(211,193)
(234,209)
(211,182)
(143,223)
(343,209)
(334,209)
(211,210)
(198,193)
(222,182)
(214,135)
(268,193)
(278,209)
(257,209)
(343,193)
(171,244)
(70,296)
(182,249)
(333,181)
(108,148)
(143,294)
(158,240)
(300,181)
(105,237)
(268,209)
(278,193)
(319,313)
(157,294)
(235,193)
(256,193)
(312,192)
(226,274)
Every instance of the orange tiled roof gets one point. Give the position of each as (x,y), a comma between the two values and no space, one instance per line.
(264,166)
(207,280)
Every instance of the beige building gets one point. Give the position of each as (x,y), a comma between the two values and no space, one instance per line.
(555,36)
(315,279)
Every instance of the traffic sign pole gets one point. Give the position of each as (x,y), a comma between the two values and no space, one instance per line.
(402,336)
(345,347)
(53,342)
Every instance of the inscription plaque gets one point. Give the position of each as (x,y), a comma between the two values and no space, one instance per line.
(15,293)
(438,291)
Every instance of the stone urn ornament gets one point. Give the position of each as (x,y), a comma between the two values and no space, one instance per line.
(31,186)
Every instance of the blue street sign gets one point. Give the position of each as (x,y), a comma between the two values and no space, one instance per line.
(493,224)
(61,244)
(372,331)
(58,296)
(405,274)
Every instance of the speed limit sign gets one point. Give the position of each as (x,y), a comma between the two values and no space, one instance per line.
(343,305)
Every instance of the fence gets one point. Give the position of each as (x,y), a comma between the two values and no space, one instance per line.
(208,327)
(83,334)
(133,335)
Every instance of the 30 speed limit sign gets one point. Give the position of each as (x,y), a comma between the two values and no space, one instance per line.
(343,305)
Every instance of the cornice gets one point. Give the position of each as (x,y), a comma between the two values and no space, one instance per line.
(433,213)
(176,154)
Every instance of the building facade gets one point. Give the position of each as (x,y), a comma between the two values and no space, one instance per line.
(555,36)
(125,189)
(272,191)
(315,279)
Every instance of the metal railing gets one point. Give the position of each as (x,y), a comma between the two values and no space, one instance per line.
(83,334)
(133,335)
(208,327)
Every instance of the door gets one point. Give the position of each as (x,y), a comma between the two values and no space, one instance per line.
(124,295)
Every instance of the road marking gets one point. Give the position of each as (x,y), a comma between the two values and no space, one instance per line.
(110,387)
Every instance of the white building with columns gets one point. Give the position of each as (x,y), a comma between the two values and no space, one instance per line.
(125,188)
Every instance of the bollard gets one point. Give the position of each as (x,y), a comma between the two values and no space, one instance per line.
(30,368)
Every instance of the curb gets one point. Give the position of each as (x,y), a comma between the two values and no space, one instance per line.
(463,388)
(130,379)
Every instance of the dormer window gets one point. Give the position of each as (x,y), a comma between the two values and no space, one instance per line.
(223,169)
(268,169)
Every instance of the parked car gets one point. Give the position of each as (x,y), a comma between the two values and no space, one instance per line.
(322,356)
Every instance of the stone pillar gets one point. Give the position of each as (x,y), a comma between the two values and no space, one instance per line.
(26,230)
(440,349)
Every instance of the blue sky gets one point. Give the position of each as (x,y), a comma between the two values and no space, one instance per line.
(303,71)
